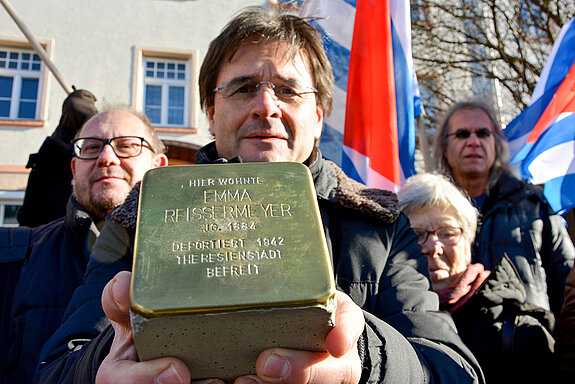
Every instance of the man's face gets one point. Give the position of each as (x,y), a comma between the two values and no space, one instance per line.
(474,156)
(103,183)
(265,128)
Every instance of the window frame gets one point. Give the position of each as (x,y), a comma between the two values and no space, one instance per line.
(21,44)
(9,198)
(139,82)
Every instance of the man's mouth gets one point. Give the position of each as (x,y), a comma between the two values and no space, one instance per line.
(105,178)
(265,135)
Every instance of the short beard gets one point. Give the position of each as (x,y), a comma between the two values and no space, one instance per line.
(99,208)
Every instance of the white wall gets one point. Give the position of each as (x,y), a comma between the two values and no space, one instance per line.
(93,49)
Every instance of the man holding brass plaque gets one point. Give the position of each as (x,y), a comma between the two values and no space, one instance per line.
(265,84)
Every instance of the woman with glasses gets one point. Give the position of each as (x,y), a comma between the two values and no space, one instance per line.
(511,339)
(445,222)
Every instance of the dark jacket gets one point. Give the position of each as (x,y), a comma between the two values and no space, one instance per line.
(565,334)
(53,268)
(517,220)
(377,262)
(511,339)
(14,249)
(49,183)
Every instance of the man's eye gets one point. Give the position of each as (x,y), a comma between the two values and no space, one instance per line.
(91,147)
(285,91)
(245,89)
(125,142)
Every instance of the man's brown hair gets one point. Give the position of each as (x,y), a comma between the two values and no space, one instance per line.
(258,24)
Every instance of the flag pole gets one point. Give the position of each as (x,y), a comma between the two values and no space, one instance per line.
(423,142)
(37,47)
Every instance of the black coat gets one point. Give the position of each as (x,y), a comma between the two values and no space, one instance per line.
(377,263)
(53,268)
(511,339)
(49,183)
(517,220)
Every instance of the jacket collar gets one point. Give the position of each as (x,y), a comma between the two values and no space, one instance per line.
(80,222)
(331,184)
(511,189)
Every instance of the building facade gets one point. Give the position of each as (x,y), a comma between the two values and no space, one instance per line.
(142,53)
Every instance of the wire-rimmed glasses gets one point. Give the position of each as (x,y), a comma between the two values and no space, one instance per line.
(446,235)
(247,90)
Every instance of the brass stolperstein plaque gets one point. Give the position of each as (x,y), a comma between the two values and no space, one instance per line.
(229,259)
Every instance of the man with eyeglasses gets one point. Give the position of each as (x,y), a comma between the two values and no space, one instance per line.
(112,151)
(265,84)
(515,218)
(111,154)
(49,183)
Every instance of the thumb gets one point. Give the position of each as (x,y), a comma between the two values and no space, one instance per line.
(116,298)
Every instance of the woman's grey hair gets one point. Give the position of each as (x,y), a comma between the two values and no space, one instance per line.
(429,190)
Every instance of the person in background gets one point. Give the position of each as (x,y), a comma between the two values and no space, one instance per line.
(50,180)
(14,249)
(564,357)
(112,152)
(266,84)
(511,339)
(515,218)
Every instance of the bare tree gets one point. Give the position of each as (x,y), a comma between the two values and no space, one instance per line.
(495,49)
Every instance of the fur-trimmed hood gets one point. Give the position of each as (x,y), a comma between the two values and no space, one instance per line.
(348,193)
(331,184)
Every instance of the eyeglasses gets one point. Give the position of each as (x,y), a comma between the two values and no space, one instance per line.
(481,133)
(446,235)
(89,148)
(246,91)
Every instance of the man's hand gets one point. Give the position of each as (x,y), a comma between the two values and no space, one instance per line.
(122,365)
(341,364)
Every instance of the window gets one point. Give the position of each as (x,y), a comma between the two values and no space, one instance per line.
(166,87)
(20,79)
(165,84)
(10,202)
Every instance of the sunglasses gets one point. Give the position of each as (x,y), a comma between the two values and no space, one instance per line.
(481,133)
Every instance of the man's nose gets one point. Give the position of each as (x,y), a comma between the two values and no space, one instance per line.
(473,139)
(107,156)
(265,104)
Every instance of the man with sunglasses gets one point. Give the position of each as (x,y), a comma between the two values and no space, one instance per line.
(112,152)
(515,217)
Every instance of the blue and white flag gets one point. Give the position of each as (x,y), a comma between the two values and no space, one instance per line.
(542,137)
(371,131)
